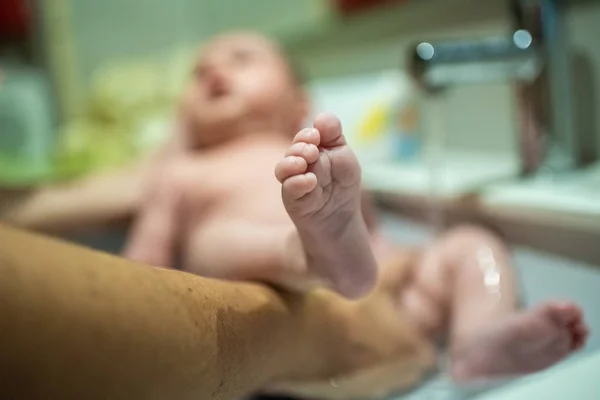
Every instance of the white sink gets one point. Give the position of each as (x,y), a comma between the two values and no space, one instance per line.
(575,379)
(575,192)
(457,173)
(543,277)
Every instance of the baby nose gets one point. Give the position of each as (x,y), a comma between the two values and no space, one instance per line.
(213,74)
(215,81)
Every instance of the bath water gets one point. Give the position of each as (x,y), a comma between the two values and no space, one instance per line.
(434,137)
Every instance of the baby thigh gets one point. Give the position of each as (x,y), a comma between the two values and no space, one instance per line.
(246,249)
(450,287)
(423,298)
(235,248)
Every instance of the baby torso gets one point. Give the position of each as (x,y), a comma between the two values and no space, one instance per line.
(235,183)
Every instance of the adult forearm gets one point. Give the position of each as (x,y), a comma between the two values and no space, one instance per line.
(80,324)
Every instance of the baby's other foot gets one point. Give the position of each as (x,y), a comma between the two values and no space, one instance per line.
(523,343)
(321,191)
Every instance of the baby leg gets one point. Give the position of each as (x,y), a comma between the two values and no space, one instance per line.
(242,249)
(326,242)
(468,273)
(321,191)
(237,249)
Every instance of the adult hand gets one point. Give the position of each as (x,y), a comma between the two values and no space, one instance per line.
(386,354)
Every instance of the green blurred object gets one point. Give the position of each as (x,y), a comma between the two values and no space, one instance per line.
(87,147)
(18,173)
(26,126)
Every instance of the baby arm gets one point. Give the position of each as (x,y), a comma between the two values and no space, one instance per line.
(154,232)
(82,204)
(86,203)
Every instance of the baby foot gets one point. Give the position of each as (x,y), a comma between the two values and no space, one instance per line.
(321,191)
(524,343)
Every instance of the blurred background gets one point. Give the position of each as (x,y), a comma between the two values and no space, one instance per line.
(475,110)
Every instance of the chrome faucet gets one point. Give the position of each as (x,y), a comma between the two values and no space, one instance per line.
(535,57)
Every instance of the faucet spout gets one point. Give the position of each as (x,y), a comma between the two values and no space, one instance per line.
(534,58)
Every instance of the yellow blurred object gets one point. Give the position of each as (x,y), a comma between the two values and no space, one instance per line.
(119,91)
(390,128)
(375,124)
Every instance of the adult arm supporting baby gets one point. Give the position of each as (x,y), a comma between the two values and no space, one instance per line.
(82,324)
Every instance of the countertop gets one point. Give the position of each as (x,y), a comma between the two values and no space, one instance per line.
(493,177)
(459,172)
(557,213)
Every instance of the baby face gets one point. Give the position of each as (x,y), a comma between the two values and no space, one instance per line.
(239,79)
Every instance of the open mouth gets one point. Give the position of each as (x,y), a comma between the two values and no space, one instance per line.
(217,91)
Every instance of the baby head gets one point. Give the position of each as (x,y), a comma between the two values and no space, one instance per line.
(242,84)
